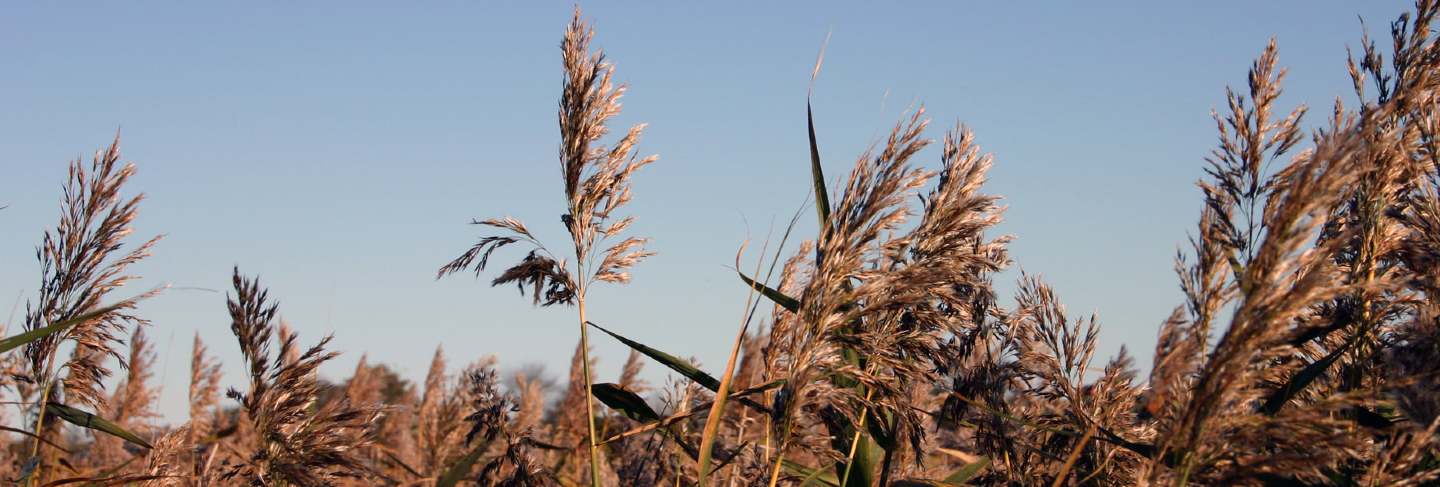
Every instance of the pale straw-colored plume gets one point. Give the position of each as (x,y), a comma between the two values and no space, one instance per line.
(1304,348)
(83,260)
(132,405)
(298,440)
(596,184)
(204,391)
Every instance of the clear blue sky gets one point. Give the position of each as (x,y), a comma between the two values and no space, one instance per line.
(337,149)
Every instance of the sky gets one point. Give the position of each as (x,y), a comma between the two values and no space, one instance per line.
(338,150)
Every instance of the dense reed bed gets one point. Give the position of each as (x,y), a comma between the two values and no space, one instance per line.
(876,352)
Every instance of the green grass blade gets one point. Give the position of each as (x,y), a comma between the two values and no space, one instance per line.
(37,437)
(787,302)
(861,469)
(629,404)
(635,408)
(1302,379)
(811,476)
(110,472)
(677,417)
(817,173)
(90,421)
(684,367)
(461,468)
(878,432)
(969,471)
(10,343)
(957,479)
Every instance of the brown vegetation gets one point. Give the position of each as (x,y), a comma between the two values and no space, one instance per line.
(1306,350)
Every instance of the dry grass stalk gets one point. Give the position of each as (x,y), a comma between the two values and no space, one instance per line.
(596,183)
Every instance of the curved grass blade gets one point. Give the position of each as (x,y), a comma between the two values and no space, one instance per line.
(717,411)
(677,417)
(461,468)
(810,476)
(956,479)
(619,399)
(635,408)
(109,473)
(10,343)
(677,364)
(787,302)
(860,470)
(35,436)
(1073,456)
(1303,378)
(107,480)
(1170,459)
(684,367)
(401,463)
(967,472)
(817,173)
(90,421)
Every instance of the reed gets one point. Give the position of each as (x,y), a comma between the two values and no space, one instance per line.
(1304,351)
(596,184)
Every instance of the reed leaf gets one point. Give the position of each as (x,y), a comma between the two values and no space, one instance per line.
(1303,378)
(677,417)
(969,471)
(682,366)
(13,342)
(817,173)
(790,304)
(810,476)
(90,421)
(461,468)
(628,403)
(860,469)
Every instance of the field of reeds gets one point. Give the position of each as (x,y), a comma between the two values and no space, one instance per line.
(874,353)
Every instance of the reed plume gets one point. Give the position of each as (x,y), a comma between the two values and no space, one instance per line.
(204,398)
(438,429)
(299,441)
(597,183)
(1304,350)
(82,261)
(132,405)
(204,390)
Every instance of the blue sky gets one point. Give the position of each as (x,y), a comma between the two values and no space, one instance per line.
(338,149)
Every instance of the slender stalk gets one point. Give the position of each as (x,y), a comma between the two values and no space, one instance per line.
(717,411)
(855,442)
(1074,455)
(779,456)
(40,419)
(775,472)
(712,423)
(589,395)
